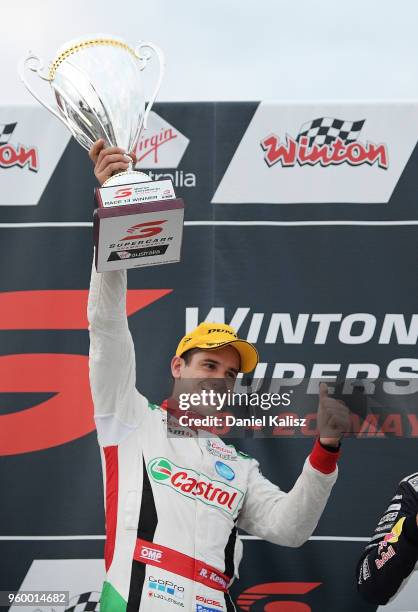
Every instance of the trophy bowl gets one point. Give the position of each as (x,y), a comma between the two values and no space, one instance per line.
(99,93)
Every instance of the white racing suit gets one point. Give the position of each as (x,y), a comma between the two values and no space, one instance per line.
(173,504)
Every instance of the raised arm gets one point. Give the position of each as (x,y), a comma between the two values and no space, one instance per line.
(392,552)
(289,518)
(117,404)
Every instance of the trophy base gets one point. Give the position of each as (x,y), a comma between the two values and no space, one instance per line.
(138,222)
(138,235)
(128,176)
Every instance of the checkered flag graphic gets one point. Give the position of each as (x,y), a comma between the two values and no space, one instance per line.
(85,602)
(326,130)
(6,130)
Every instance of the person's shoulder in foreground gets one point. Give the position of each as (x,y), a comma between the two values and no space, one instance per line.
(392,552)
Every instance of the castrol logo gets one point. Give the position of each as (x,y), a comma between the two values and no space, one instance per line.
(195,485)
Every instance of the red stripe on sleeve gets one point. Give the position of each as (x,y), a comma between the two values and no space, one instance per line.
(111,460)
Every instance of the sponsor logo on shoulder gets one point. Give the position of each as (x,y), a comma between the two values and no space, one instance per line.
(195,485)
(224,470)
(413,481)
(396,531)
(390,516)
(366,569)
(214,447)
(385,555)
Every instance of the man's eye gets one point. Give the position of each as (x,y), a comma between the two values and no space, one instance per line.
(210,365)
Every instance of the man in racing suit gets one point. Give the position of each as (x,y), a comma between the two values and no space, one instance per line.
(392,553)
(173,504)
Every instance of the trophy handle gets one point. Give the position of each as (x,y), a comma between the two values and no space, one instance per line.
(144,58)
(35,64)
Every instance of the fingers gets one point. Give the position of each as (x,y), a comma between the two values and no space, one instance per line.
(323,391)
(108,159)
(108,151)
(117,167)
(95,149)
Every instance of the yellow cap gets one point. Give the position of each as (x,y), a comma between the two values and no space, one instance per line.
(209,336)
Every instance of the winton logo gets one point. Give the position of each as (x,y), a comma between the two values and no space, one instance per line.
(195,485)
(16,155)
(325,141)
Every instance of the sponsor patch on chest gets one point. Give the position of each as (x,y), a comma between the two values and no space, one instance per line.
(195,485)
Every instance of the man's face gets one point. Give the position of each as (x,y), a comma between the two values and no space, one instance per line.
(214,370)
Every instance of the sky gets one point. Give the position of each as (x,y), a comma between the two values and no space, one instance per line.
(234,49)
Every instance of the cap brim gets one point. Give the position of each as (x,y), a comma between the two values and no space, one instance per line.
(248,353)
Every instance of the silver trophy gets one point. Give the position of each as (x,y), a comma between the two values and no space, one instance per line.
(99,93)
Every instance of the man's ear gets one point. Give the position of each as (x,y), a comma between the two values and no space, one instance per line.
(177,365)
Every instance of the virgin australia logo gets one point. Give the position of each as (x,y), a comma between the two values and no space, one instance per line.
(161,144)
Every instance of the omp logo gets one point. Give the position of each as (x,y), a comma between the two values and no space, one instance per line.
(278,596)
(150,553)
(55,388)
(144,230)
(195,485)
(325,141)
(161,146)
(19,155)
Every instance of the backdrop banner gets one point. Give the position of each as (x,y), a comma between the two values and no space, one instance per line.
(300,231)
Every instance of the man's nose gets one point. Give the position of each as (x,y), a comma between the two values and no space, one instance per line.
(213,382)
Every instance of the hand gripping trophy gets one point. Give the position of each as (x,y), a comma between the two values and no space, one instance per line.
(99,94)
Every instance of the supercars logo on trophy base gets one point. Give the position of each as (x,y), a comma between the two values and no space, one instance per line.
(137,225)
(99,93)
